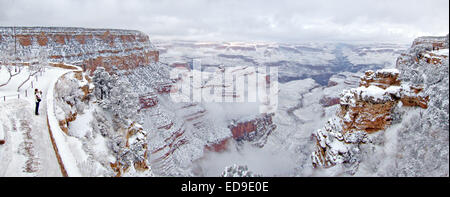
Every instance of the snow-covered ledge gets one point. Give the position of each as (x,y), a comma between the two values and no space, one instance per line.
(65,157)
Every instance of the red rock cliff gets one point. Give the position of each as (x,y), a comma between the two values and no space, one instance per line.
(255,130)
(87,48)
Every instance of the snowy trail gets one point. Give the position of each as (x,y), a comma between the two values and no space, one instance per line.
(28,150)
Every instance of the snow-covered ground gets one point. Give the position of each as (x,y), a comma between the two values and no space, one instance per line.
(28,150)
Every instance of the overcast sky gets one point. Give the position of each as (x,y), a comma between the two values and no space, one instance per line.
(242,20)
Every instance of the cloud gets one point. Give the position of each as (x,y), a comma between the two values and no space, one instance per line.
(242,20)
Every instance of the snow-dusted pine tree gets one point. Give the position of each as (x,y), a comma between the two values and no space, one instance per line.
(123,102)
(102,82)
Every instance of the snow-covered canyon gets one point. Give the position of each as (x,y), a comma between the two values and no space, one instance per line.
(115,114)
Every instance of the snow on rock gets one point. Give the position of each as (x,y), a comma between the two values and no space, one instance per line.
(71,92)
(133,157)
(375,104)
(372,93)
(381,78)
(423,137)
(255,130)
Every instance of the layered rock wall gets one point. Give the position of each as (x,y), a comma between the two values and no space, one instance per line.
(255,130)
(87,48)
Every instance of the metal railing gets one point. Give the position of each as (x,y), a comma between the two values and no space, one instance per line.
(25,91)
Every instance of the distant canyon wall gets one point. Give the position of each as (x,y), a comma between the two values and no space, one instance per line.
(87,48)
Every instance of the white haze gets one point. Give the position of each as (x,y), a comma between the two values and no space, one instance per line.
(263,161)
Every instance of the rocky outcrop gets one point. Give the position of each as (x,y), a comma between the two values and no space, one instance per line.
(136,146)
(254,130)
(329,101)
(433,50)
(363,110)
(132,156)
(64,123)
(72,90)
(370,107)
(382,78)
(87,48)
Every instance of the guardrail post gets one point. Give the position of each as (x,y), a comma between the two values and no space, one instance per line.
(26,93)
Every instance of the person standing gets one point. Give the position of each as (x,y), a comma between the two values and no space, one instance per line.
(38,95)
